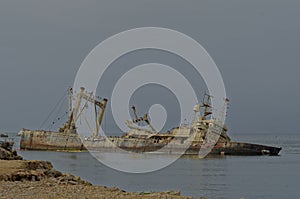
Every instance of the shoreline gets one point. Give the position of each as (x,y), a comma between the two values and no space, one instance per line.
(38,179)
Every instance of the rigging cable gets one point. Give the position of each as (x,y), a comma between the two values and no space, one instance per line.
(60,100)
(59,118)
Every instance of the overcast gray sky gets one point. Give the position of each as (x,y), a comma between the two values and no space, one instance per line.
(254,43)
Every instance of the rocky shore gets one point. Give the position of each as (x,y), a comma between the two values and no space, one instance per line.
(28,179)
(6,151)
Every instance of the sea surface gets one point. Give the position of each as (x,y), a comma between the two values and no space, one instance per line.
(226,177)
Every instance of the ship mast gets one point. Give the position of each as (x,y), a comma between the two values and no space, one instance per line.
(135,114)
(77,105)
(70,127)
(100,117)
(73,111)
(207,106)
(70,94)
(102,106)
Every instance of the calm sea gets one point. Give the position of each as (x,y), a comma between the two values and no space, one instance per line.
(227,177)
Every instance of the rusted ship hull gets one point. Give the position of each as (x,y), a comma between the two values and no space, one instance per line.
(56,141)
(48,140)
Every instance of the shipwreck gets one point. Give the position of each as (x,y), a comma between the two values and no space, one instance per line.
(142,138)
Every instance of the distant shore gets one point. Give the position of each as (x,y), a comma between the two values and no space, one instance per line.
(38,179)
